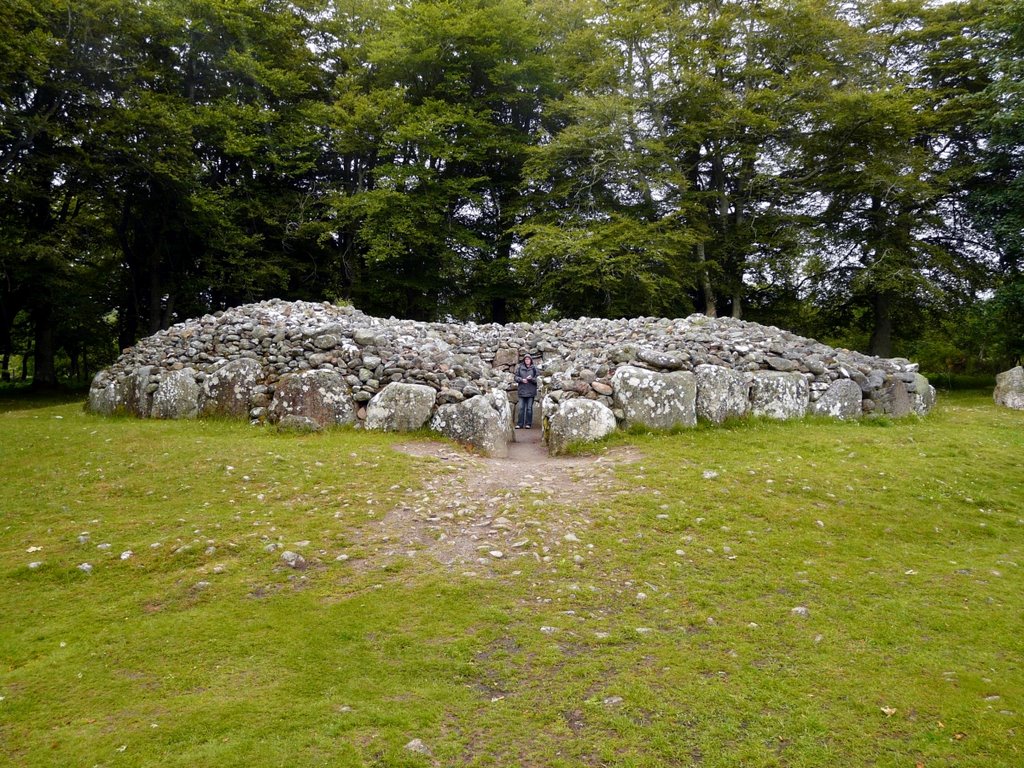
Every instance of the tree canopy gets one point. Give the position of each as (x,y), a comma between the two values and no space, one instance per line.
(850,170)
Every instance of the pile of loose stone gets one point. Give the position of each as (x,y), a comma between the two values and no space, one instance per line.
(309,365)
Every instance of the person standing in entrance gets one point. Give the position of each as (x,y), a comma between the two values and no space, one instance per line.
(526,377)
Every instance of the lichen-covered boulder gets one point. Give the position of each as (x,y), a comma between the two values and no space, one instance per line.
(322,396)
(140,399)
(655,400)
(779,395)
(482,421)
(177,396)
(842,400)
(578,420)
(893,399)
(1009,391)
(231,390)
(722,393)
(923,397)
(111,394)
(500,403)
(401,407)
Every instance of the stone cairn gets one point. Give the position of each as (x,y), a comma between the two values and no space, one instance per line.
(309,365)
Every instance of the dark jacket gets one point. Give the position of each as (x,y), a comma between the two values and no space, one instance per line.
(526,378)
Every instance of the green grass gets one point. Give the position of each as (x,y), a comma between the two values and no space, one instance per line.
(903,540)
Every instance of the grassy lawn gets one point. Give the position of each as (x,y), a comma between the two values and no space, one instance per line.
(666,636)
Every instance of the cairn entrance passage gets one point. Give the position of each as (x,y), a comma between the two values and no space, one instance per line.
(309,365)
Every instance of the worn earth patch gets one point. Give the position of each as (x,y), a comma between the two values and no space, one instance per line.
(475,512)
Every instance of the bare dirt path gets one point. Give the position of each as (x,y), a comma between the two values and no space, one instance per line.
(476,512)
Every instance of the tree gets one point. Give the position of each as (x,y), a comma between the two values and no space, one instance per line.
(877,156)
(455,90)
(47,97)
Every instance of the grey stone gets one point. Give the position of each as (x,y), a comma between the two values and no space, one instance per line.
(666,360)
(400,408)
(111,395)
(1009,391)
(722,393)
(177,396)
(842,400)
(655,400)
(924,395)
(782,364)
(322,396)
(231,389)
(578,420)
(293,560)
(893,399)
(505,358)
(293,422)
(484,422)
(364,337)
(326,341)
(779,395)
(278,340)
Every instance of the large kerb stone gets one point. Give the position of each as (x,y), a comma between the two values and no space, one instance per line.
(111,395)
(779,395)
(177,396)
(655,400)
(578,420)
(321,396)
(1009,391)
(483,422)
(400,408)
(842,400)
(231,389)
(722,393)
(923,396)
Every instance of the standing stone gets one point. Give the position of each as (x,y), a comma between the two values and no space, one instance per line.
(578,420)
(779,395)
(479,421)
(842,400)
(722,393)
(231,389)
(400,407)
(322,396)
(1009,391)
(177,397)
(655,400)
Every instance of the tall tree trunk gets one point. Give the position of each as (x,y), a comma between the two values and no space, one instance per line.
(710,302)
(45,374)
(737,306)
(5,346)
(881,335)
(155,296)
(499,310)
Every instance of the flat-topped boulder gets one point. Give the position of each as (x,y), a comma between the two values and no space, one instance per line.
(319,364)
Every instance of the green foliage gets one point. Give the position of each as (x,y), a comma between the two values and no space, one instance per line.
(851,170)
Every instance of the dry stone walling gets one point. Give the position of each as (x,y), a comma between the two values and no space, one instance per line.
(307,365)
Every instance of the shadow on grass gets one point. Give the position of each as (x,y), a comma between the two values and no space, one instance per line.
(22,397)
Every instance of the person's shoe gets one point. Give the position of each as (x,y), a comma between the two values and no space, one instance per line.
(528,426)
(518,427)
